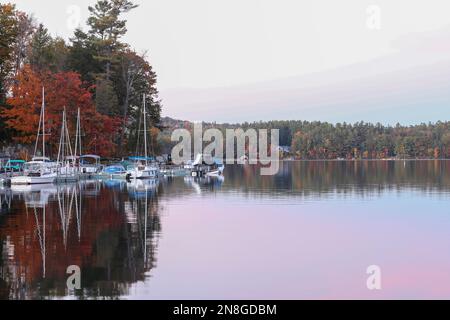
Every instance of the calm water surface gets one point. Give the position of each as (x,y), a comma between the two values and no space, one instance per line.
(309,232)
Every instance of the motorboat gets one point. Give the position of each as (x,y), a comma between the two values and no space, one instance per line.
(205,165)
(90,165)
(116,171)
(40,170)
(12,166)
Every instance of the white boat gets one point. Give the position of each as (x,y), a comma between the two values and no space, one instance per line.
(90,165)
(173,171)
(205,165)
(40,170)
(143,169)
(114,172)
(67,172)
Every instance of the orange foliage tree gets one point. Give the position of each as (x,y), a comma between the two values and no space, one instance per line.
(63,89)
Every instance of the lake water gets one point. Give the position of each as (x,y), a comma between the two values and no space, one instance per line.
(309,232)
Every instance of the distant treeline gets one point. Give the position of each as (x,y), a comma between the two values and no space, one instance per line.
(322,140)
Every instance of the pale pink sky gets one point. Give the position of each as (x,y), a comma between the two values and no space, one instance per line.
(215,58)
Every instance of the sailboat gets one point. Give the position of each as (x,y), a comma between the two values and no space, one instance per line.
(67,171)
(40,170)
(142,169)
(89,163)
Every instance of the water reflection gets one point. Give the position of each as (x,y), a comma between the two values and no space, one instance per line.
(110,235)
(112,229)
(319,178)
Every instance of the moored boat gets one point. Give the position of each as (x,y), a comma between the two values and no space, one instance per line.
(205,165)
(90,165)
(40,170)
(144,167)
(174,171)
(116,171)
(67,162)
(13,166)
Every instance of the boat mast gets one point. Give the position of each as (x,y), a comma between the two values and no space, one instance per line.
(65,149)
(41,125)
(66,127)
(78,135)
(61,142)
(43,122)
(145,133)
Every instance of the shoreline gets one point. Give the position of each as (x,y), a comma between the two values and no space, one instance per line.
(361,160)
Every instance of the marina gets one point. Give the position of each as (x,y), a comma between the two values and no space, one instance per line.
(71,165)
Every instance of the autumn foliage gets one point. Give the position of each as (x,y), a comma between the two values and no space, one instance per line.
(62,89)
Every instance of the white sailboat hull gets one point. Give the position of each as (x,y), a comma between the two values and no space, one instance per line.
(27,180)
(147,173)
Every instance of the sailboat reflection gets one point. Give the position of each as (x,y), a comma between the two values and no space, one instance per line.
(35,195)
(37,201)
(5,200)
(142,213)
(139,188)
(207,182)
(69,203)
(111,234)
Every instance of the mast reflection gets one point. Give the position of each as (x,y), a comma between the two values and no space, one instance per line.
(110,233)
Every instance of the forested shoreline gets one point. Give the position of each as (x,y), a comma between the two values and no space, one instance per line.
(94,71)
(322,140)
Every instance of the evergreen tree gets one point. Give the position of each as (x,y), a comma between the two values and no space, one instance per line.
(8,34)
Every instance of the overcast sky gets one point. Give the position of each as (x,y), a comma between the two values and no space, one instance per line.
(203,44)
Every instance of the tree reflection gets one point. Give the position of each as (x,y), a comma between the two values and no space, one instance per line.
(319,178)
(111,235)
(111,228)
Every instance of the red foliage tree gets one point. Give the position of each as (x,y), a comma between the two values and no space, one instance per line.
(63,89)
